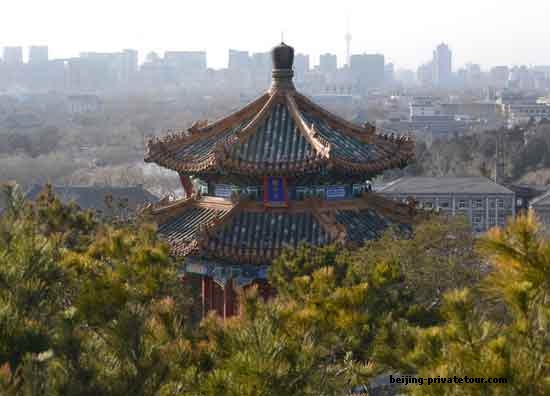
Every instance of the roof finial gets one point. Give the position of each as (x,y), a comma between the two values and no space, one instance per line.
(282,36)
(283,58)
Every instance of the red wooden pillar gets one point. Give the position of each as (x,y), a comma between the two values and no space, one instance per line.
(219,299)
(203,296)
(225,300)
(228,300)
(187,185)
(206,295)
(225,289)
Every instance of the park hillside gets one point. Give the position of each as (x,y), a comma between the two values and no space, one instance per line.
(97,308)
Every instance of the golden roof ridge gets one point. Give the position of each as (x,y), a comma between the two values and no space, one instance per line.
(321,146)
(196,131)
(223,147)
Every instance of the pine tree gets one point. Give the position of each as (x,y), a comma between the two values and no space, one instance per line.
(499,329)
(88,308)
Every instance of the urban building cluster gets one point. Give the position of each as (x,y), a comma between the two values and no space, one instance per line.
(90,71)
(435,101)
(358,74)
(97,72)
(438,73)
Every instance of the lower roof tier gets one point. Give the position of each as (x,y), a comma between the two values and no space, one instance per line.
(246,232)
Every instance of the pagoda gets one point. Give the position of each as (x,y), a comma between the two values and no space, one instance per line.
(279,172)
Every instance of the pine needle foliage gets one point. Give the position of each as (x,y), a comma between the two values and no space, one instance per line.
(511,343)
(93,308)
(87,308)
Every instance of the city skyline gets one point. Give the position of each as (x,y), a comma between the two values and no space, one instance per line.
(315,61)
(365,72)
(405,33)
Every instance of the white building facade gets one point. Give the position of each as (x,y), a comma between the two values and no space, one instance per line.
(483,202)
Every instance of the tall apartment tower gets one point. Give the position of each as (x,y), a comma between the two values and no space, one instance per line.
(128,67)
(367,70)
(261,68)
(328,63)
(442,63)
(13,56)
(38,54)
(239,60)
(301,66)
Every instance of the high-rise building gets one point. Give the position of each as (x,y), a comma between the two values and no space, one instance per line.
(261,60)
(474,75)
(425,74)
(13,55)
(521,78)
(186,60)
(38,73)
(38,54)
(128,65)
(185,66)
(499,76)
(301,66)
(442,63)
(239,60)
(389,73)
(406,77)
(94,71)
(239,70)
(261,68)
(367,70)
(328,63)
(154,71)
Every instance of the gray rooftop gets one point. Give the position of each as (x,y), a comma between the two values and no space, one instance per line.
(94,197)
(542,200)
(444,185)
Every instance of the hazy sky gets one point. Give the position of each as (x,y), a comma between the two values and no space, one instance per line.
(489,32)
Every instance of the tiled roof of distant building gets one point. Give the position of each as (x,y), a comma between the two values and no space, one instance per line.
(96,197)
(440,185)
(542,200)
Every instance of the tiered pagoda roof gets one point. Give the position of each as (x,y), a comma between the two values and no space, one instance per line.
(286,143)
(282,133)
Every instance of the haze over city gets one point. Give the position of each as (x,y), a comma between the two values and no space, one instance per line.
(487,32)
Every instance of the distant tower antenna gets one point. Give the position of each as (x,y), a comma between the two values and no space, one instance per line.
(348,42)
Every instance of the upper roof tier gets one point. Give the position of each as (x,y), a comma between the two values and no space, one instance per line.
(281,133)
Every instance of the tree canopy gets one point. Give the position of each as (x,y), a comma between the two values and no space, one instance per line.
(92,308)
